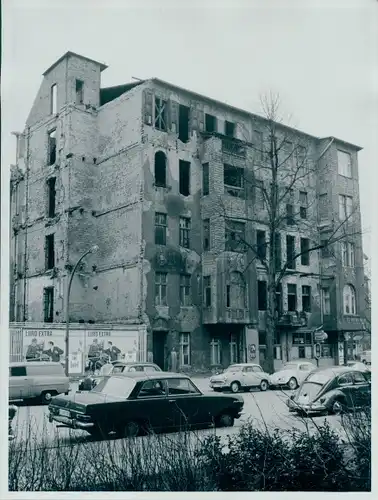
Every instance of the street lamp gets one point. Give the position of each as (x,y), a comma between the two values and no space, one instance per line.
(91,250)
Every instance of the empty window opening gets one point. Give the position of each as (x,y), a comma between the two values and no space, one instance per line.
(51,147)
(305,254)
(206,234)
(184,179)
(233,180)
(183,123)
(160,114)
(160,228)
(49,251)
(185,224)
(207,291)
(261,295)
(306,298)
(289,214)
(51,194)
(53,101)
(160,169)
(291,297)
(303,204)
(79,92)
(235,236)
(210,123)
(261,244)
(229,128)
(259,194)
(48,304)
(205,179)
(290,251)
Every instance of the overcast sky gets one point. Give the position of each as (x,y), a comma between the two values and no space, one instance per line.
(321,56)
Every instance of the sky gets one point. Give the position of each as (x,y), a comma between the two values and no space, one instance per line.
(321,56)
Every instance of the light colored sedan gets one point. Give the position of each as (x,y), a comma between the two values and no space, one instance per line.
(292,374)
(242,376)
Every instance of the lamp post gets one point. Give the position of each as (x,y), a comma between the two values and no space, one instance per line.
(91,250)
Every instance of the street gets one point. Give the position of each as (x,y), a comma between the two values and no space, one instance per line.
(262,408)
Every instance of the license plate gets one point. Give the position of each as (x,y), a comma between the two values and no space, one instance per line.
(64,413)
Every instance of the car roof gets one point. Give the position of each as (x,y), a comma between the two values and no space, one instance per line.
(244,364)
(337,370)
(147,376)
(132,363)
(33,363)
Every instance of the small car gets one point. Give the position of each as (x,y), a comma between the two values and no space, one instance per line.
(292,374)
(333,390)
(357,365)
(140,402)
(365,357)
(241,376)
(116,367)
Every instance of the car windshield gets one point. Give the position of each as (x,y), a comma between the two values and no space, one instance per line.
(319,378)
(290,366)
(116,386)
(234,368)
(106,369)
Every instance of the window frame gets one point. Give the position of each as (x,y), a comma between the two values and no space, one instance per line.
(48,304)
(185,342)
(305,257)
(343,169)
(207,298)
(49,251)
(231,228)
(161,222)
(215,352)
(185,226)
(294,293)
(214,124)
(161,285)
(160,114)
(185,290)
(352,303)
(237,189)
(306,293)
(158,177)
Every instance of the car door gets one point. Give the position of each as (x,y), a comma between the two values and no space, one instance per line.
(345,385)
(152,404)
(250,378)
(361,390)
(19,383)
(185,403)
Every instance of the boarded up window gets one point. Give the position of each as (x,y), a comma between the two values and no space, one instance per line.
(160,114)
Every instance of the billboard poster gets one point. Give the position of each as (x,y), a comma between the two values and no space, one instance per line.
(103,346)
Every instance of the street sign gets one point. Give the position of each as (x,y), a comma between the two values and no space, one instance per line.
(317,351)
(320,336)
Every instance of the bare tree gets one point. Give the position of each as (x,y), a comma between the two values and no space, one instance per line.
(280,163)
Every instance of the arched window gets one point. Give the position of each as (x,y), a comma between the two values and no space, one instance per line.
(235,291)
(349,300)
(160,169)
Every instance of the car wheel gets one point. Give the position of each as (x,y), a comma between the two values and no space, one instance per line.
(131,429)
(338,407)
(264,385)
(47,396)
(225,420)
(235,387)
(293,384)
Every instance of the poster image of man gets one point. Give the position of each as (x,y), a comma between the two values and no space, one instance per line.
(112,351)
(53,352)
(34,350)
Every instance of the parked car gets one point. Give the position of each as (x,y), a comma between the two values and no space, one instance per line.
(292,374)
(357,365)
(40,379)
(365,357)
(241,376)
(333,390)
(128,405)
(12,410)
(91,381)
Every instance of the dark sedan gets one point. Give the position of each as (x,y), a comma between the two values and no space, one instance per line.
(128,405)
(333,390)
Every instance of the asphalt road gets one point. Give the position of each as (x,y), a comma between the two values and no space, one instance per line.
(262,408)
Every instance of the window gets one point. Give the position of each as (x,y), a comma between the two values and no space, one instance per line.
(278,250)
(261,244)
(206,234)
(349,300)
(48,304)
(235,236)
(160,114)
(305,254)
(150,388)
(233,349)
(290,214)
(49,252)
(345,206)
(303,204)
(205,179)
(215,352)
(207,291)
(261,295)
(160,228)
(347,254)
(185,290)
(185,349)
(79,89)
(229,128)
(210,123)
(259,194)
(326,301)
(279,298)
(301,159)
(53,99)
(344,163)
(184,177)
(181,386)
(18,371)
(228,295)
(233,180)
(161,289)
(358,378)
(291,297)
(325,249)
(183,123)
(236,291)
(51,146)
(351,258)
(185,224)
(323,207)
(258,145)
(160,169)
(302,338)
(345,379)
(51,197)
(290,252)
(288,154)
(306,298)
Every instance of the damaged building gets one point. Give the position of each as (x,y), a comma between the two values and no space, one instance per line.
(143,171)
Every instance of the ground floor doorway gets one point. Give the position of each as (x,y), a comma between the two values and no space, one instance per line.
(159,348)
